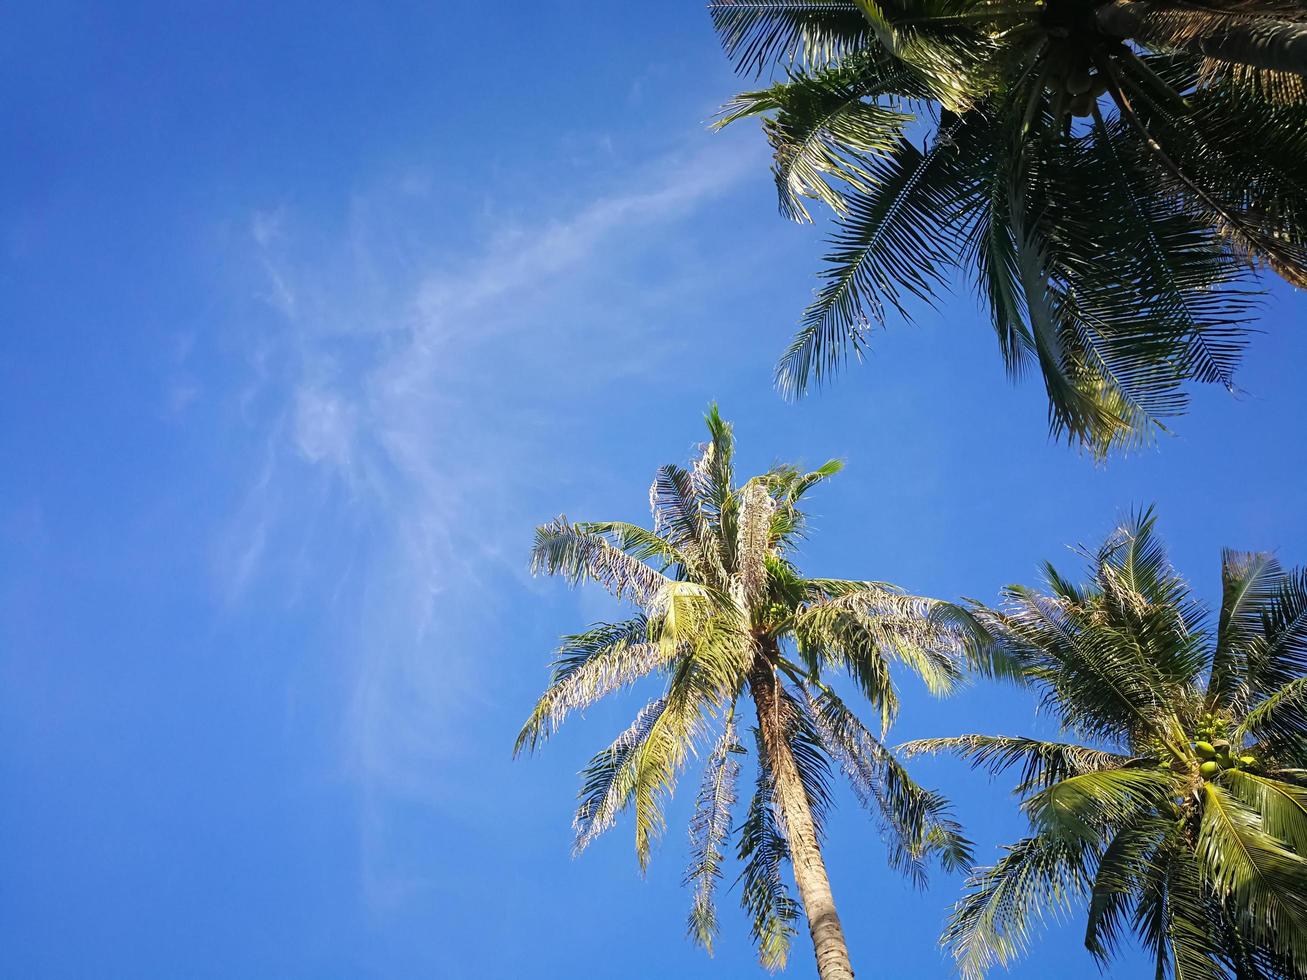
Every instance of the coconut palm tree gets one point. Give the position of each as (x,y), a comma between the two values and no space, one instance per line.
(1112,174)
(1178,809)
(723,614)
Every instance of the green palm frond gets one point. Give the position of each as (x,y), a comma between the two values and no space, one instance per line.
(1280,721)
(678,515)
(898,237)
(788,484)
(1042,763)
(1185,942)
(1098,688)
(1116,253)
(864,628)
(1244,862)
(1127,868)
(608,780)
(589,666)
(1282,657)
(756,33)
(918,824)
(993,924)
(640,544)
(1082,807)
(822,127)
(1283,806)
(578,555)
(1249,583)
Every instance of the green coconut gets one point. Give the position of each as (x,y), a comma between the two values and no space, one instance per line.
(1209,769)
(1082,105)
(1205,750)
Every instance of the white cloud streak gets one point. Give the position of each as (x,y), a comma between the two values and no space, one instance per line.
(415,417)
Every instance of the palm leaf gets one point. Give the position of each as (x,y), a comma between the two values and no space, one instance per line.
(577,555)
(1042,763)
(917,823)
(1250,582)
(897,237)
(589,666)
(1241,860)
(764,895)
(994,922)
(756,33)
(709,828)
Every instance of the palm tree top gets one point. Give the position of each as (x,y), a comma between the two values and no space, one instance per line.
(1177,811)
(721,612)
(1111,173)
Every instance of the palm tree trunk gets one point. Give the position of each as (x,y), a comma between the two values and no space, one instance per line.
(805,852)
(1256,43)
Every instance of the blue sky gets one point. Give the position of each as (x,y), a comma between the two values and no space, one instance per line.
(310,313)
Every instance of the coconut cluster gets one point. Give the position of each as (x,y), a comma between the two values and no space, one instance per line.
(1069,75)
(1215,751)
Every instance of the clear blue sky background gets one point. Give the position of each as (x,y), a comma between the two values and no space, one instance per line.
(308,314)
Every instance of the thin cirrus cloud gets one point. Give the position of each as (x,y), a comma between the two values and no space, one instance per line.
(408,407)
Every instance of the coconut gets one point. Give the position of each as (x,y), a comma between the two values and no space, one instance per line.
(1078,81)
(1209,769)
(1205,750)
(1247,760)
(1082,105)
(1098,87)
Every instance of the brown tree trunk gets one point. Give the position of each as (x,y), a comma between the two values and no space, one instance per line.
(805,852)
(1278,46)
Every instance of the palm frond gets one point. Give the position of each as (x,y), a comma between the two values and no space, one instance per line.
(1082,807)
(763,850)
(1283,806)
(898,237)
(713,476)
(589,666)
(1281,656)
(1279,721)
(607,781)
(709,829)
(1126,870)
(821,127)
(1250,582)
(757,33)
(864,626)
(1042,763)
(678,516)
(639,543)
(564,549)
(994,922)
(1241,860)
(917,823)
(1265,35)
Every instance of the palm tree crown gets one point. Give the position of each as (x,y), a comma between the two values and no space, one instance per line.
(1111,172)
(1183,819)
(722,611)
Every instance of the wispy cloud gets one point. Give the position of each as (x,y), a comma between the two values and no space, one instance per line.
(412,407)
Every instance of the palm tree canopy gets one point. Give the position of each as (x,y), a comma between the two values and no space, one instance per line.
(1177,811)
(717,598)
(1111,173)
